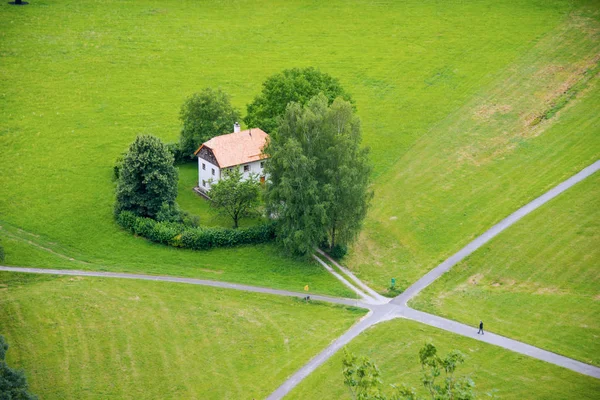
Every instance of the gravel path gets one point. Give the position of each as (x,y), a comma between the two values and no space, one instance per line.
(192,281)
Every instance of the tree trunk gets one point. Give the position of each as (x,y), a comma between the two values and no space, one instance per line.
(332,238)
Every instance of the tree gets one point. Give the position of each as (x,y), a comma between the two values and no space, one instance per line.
(291,85)
(13,383)
(319,175)
(363,378)
(147,179)
(235,197)
(205,115)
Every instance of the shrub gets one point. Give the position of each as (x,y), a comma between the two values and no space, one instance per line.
(178,155)
(147,178)
(338,251)
(191,237)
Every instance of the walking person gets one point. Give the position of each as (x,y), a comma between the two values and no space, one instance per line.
(480,328)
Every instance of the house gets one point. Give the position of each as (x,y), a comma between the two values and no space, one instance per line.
(240,149)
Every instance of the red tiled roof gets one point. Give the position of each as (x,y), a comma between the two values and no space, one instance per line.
(238,147)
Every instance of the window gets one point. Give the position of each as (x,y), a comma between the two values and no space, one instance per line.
(246,168)
(203,183)
(213,171)
(262,164)
(203,166)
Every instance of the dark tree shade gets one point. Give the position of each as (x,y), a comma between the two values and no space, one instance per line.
(147,179)
(205,115)
(292,85)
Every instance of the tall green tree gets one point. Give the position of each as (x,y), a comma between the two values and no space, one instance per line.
(234,196)
(13,383)
(292,85)
(362,377)
(205,115)
(319,175)
(147,179)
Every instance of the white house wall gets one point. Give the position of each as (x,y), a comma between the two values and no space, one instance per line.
(205,175)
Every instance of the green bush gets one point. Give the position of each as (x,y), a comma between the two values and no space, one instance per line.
(190,237)
(338,251)
(178,155)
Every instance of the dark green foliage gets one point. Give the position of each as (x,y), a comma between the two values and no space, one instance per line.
(147,179)
(117,167)
(338,251)
(292,85)
(235,197)
(179,156)
(13,383)
(196,238)
(205,115)
(172,213)
(363,378)
(318,175)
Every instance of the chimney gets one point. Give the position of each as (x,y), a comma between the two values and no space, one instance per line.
(236,127)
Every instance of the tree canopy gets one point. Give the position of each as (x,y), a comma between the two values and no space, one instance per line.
(235,197)
(363,379)
(13,383)
(147,179)
(291,85)
(319,176)
(205,115)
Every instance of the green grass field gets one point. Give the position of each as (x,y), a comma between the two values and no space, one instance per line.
(448,93)
(487,158)
(89,338)
(81,79)
(395,348)
(537,282)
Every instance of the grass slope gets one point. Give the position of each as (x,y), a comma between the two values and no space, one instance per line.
(537,282)
(80,79)
(395,348)
(488,158)
(82,338)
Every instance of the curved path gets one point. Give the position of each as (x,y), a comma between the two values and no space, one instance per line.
(380,310)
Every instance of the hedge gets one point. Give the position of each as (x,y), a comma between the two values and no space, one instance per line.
(179,235)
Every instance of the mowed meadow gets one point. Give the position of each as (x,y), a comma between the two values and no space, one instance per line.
(89,338)
(471,109)
(81,79)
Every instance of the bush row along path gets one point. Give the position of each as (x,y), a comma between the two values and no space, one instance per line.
(381,309)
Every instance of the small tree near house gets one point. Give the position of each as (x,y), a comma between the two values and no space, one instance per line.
(234,196)
(147,178)
(205,115)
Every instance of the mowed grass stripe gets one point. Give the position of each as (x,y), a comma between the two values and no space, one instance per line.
(395,346)
(485,160)
(536,282)
(95,338)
